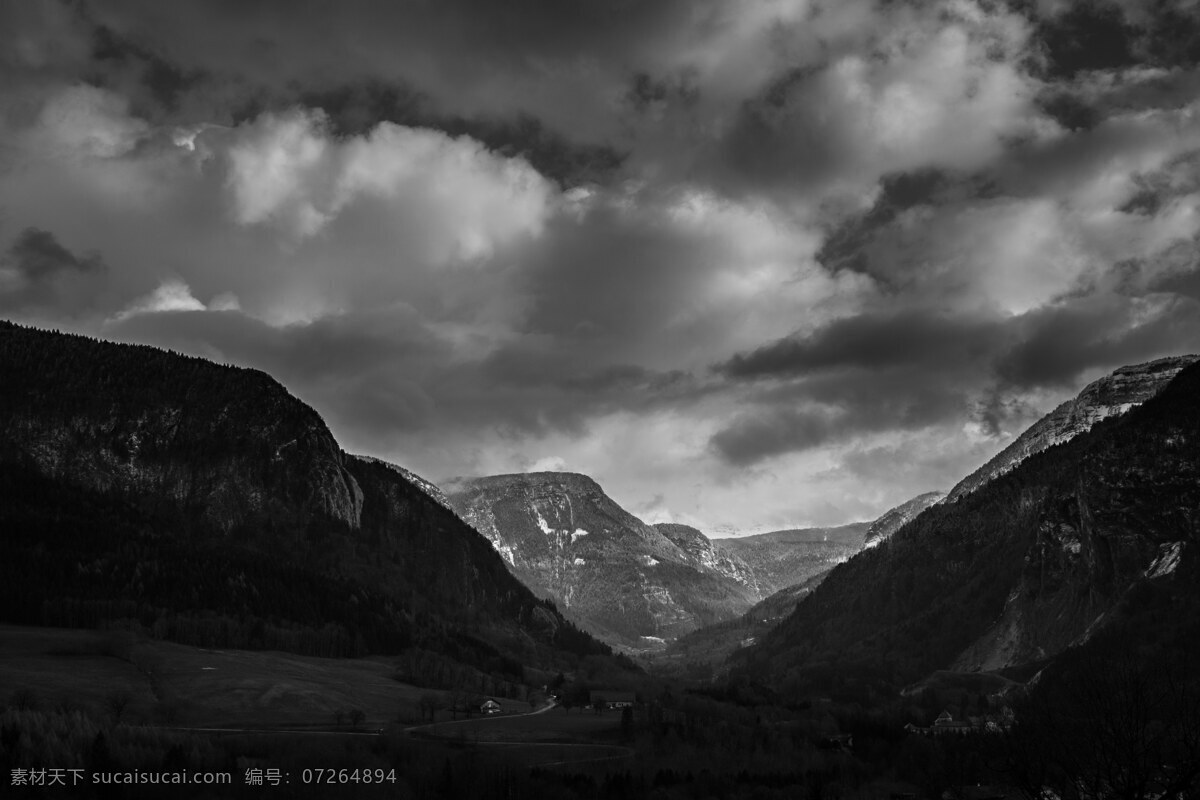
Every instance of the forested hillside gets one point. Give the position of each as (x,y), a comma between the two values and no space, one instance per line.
(208,506)
(1035,561)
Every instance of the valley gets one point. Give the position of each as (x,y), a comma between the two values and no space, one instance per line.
(524,633)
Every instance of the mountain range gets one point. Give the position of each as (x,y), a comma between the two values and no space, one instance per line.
(204,504)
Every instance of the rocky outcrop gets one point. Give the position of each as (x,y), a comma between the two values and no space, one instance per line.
(623,580)
(706,556)
(896,518)
(1109,396)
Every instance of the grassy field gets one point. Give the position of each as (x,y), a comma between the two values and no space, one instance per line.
(187,686)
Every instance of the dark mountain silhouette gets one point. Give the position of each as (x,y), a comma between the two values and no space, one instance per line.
(896,518)
(1109,396)
(1040,558)
(207,505)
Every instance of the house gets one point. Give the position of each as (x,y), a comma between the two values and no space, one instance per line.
(945,723)
(611,698)
(839,741)
(490,707)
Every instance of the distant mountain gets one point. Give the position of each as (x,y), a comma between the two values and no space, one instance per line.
(1109,396)
(780,559)
(209,506)
(622,579)
(711,645)
(1075,539)
(691,541)
(896,518)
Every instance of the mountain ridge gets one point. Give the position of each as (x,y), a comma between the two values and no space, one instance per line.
(1104,397)
(617,576)
(1035,561)
(207,503)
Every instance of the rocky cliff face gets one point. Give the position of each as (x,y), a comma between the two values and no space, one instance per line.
(706,556)
(622,579)
(1106,397)
(896,518)
(1036,560)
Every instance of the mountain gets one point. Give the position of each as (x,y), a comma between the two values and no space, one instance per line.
(896,518)
(780,559)
(625,581)
(702,550)
(1109,396)
(1083,537)
(699,652)
(205,504)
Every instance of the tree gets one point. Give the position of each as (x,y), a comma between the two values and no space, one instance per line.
(357,717)
(429,704)
(117,701)
(1112,724)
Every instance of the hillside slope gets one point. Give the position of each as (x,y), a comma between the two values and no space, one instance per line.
(209,506)
(1109,396)
(1034,561)
(896,518)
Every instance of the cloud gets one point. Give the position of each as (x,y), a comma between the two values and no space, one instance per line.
(171,295)
(89,121)
(728,254)
(869,342)
(841,407)
(935,89)
(289,169)
(39,272)
(37,256)
(548,464)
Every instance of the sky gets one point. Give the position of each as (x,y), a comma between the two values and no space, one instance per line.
(751,264)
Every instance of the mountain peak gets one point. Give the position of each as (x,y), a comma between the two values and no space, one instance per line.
(1109,396)
(896,518)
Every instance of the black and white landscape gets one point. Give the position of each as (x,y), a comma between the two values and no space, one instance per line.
(600,399)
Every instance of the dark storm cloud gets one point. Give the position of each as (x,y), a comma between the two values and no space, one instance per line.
(163,80)
(869,342)
(837,407)
(46,275)
(38,256)
(1059,343)
(1092,35)
(842,248)
(909,371)
(385,374)
(1104,35)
